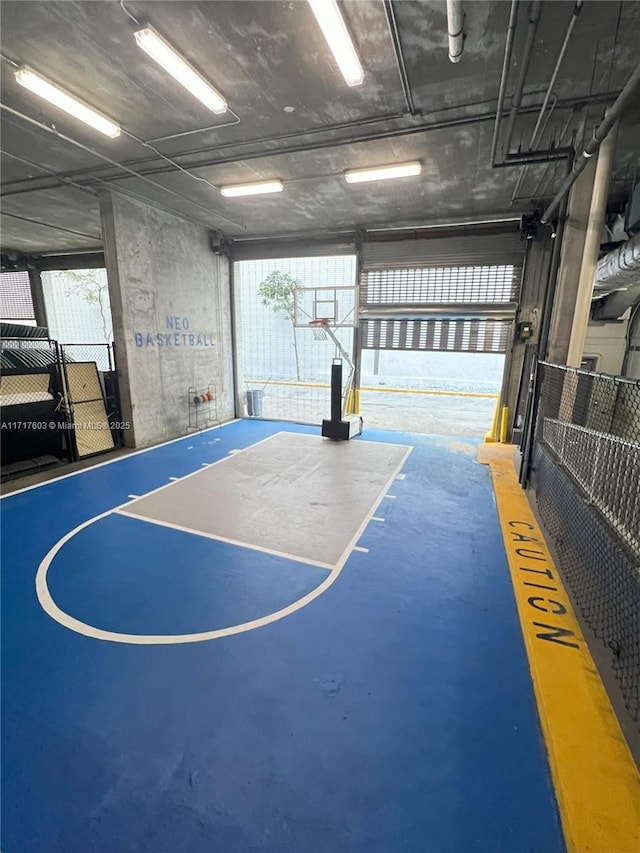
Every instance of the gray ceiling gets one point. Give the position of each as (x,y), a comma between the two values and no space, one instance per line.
(265,56)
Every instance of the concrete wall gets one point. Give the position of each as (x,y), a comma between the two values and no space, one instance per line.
(171,317)
(607,342)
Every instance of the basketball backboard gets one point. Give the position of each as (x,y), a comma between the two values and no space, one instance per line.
(335,305)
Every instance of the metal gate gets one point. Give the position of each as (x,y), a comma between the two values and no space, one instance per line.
(422,300)
(456,293)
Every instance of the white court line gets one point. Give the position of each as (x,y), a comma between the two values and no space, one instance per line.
(364,441)
(377,517)
(391,497)
(205,464)
(328,566)
(362,550)
(174,479)
(51,608)
(113,461)
(400,476)
(133,496)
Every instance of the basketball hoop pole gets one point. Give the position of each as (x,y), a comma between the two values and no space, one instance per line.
(344,355)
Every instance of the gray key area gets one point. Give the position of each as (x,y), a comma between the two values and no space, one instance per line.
(300,496)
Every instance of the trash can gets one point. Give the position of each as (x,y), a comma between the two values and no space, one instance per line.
(254,403)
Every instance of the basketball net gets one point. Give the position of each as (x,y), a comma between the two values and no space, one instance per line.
(318,329)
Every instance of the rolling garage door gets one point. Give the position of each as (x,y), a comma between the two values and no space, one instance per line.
(456,293)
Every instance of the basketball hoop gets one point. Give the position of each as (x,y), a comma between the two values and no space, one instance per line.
(318,327)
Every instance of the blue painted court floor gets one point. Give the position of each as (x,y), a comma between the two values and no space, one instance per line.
(393,712)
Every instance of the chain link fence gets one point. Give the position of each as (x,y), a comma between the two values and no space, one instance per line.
(586,474)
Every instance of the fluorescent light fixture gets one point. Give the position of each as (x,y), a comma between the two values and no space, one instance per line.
(160,50)
(335,32)
(383,173)
(37,84)
(252,189)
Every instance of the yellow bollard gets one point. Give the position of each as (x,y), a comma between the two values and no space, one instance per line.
(491,436)
(504,424)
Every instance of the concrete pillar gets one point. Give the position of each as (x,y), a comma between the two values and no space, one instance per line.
(573,242)
(171,312)
(593,235)
(583,228)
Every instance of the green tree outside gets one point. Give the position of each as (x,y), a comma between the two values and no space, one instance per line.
(277,293)
(86,285)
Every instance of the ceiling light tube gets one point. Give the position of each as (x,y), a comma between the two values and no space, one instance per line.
(383,173)
(54,95)
(335,32)
(161,51)
(252,189)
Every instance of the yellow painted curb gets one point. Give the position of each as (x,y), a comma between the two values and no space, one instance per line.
(382,389)
(596,781)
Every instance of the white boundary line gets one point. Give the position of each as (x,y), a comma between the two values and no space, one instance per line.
(328,566)
(119,459)
(51,608)
(207,465)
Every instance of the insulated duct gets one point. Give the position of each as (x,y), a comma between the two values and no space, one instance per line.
(618,271)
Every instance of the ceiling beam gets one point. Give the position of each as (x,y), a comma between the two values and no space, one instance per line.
(86,176)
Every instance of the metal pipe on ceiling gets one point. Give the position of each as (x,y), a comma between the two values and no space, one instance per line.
(549,155)
(538,130)
(212,127)
(330,128)
(399,55)
(516,99)
(556,68)
(549,174)
(325,128)
(130,172)
(518,185)
(455,29)
(462,121)
(599,135)
(170,160)
(506,62)
(452,222)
